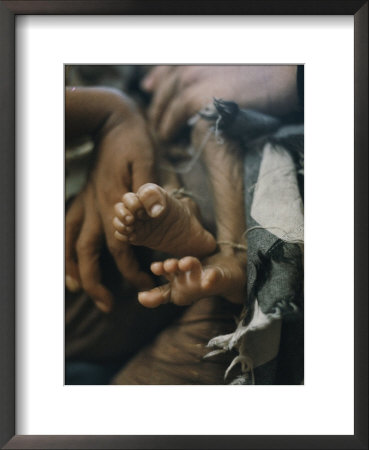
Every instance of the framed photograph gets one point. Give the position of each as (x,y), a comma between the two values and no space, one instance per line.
(261,107)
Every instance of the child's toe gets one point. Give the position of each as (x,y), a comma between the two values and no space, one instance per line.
(121,228)
(157,268)
(124,214)
(155,297)
(171,265)
(190,263)
(153,199)
(118,225)
(132,203)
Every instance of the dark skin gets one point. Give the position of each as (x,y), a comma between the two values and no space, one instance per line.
(125,161)
(223,272)
(179,92)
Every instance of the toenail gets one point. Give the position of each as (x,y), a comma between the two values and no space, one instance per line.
(156,210)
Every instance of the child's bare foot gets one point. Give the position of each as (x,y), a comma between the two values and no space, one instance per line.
(152,218)
(190,281)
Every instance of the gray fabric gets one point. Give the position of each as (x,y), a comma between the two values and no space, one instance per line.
(274,266)
(263,375)
(275,275)
(273,183)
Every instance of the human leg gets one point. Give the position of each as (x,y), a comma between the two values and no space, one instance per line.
(224,272)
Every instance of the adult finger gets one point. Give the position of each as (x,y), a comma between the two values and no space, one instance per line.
(128,265)
(122,253)
(73,225)
(162,96)
(88,250)
(155,76)
(178,112)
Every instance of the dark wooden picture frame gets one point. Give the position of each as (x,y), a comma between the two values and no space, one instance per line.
(8,11)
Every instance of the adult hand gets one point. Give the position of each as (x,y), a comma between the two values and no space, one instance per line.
(124,162)
(181,91)
(84,238)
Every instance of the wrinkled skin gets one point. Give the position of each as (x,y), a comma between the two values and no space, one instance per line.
(181,91)
(125,161)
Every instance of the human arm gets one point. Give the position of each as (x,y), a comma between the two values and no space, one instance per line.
(124,160)
(181,91)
